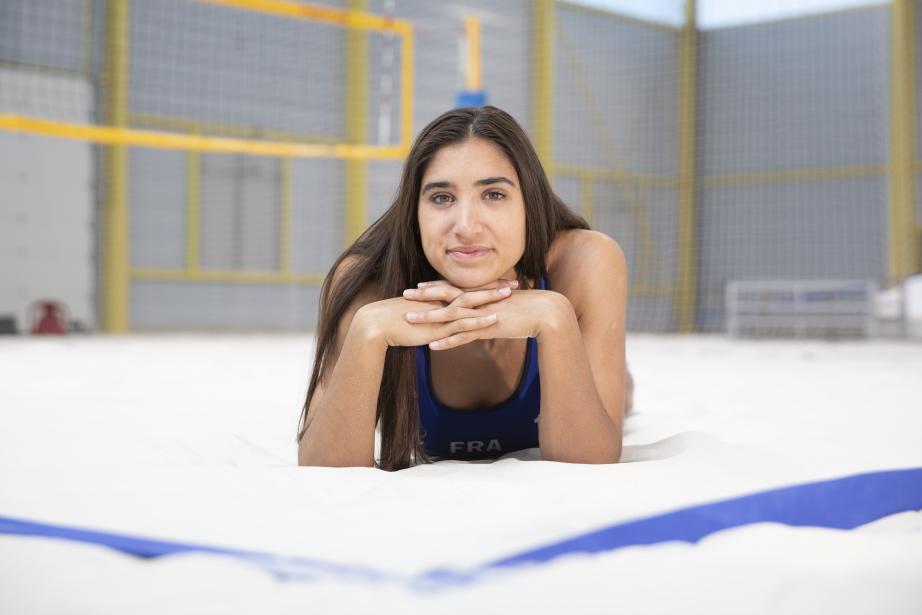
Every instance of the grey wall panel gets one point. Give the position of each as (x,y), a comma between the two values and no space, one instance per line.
(28,26)
(795,93)
(643,222)
(616,93)
(221,65)
(788,231)
(616,107)
(791,94)
(222,307)
(157,208)
(567,188)
(317,214)
(47,242)
(239,212)
(650,314)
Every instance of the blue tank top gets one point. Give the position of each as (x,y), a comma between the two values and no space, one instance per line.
(482,433)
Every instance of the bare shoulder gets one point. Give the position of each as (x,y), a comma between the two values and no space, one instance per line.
(583,264)
(369,293)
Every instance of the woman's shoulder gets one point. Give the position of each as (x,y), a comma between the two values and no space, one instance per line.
(581,247)
(580,259)
(348,268)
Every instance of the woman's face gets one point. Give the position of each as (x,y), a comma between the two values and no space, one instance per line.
(471,214)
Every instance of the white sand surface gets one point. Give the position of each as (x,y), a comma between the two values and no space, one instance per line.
(191,439)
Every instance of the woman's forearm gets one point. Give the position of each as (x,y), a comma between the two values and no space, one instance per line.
(574,425)
(341,432)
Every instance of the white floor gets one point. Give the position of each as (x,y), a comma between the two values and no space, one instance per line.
(191,439)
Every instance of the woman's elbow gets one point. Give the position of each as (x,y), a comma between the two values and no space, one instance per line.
(309,457)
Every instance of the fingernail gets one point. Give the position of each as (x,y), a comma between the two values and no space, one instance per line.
(513,282)
(422,284)
(412,315)
(505,290)
(409,293)
(435,344)
(491,317)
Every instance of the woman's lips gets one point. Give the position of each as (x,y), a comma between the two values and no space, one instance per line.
(468,254)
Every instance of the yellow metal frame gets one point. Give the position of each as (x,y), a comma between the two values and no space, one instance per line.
(193,137)
(222,129)
(285,229)
(119,134)
(228,276)
(112,135)
(193,210)
(902,255)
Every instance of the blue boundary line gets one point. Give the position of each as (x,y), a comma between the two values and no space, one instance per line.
(842,503)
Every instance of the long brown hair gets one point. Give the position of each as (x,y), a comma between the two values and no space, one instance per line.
(390,255)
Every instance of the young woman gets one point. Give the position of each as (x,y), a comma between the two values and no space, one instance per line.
(434,323)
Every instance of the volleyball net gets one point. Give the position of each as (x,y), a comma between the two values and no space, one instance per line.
(233,132)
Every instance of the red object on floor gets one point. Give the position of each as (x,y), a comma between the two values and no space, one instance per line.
(48,317)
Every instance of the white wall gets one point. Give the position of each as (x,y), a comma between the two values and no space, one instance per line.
(46,200)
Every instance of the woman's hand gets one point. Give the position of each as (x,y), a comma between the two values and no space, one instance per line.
(518,313)
(386,322)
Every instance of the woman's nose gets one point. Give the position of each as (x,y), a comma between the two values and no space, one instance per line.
(468,221)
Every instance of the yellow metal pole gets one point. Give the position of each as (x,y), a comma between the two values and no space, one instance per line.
(903,258)
(356,71)
(586,197)
(285,218)
(87,50)
(473,79)
(193,210)
(545,24)
(406,100)
(684,304)
(108,135)
(115,224)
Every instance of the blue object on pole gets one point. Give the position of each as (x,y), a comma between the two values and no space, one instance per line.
(467,98)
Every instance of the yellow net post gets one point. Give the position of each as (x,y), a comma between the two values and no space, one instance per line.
(903,259)
(115,226)
(473,81)
(543,80)
(356,71)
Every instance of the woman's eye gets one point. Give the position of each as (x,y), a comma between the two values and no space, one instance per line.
(441,199)
(495,195)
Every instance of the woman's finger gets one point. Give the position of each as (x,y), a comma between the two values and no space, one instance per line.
(477,298)
(466,324)
(458,339)
(432,283)
(442,292)
(445,314)
(496,284)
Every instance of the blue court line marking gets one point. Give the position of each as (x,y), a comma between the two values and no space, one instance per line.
(282,566)
(841,503)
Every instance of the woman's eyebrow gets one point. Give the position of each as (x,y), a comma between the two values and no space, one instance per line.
(480,182)
(494,180)
(434,185)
